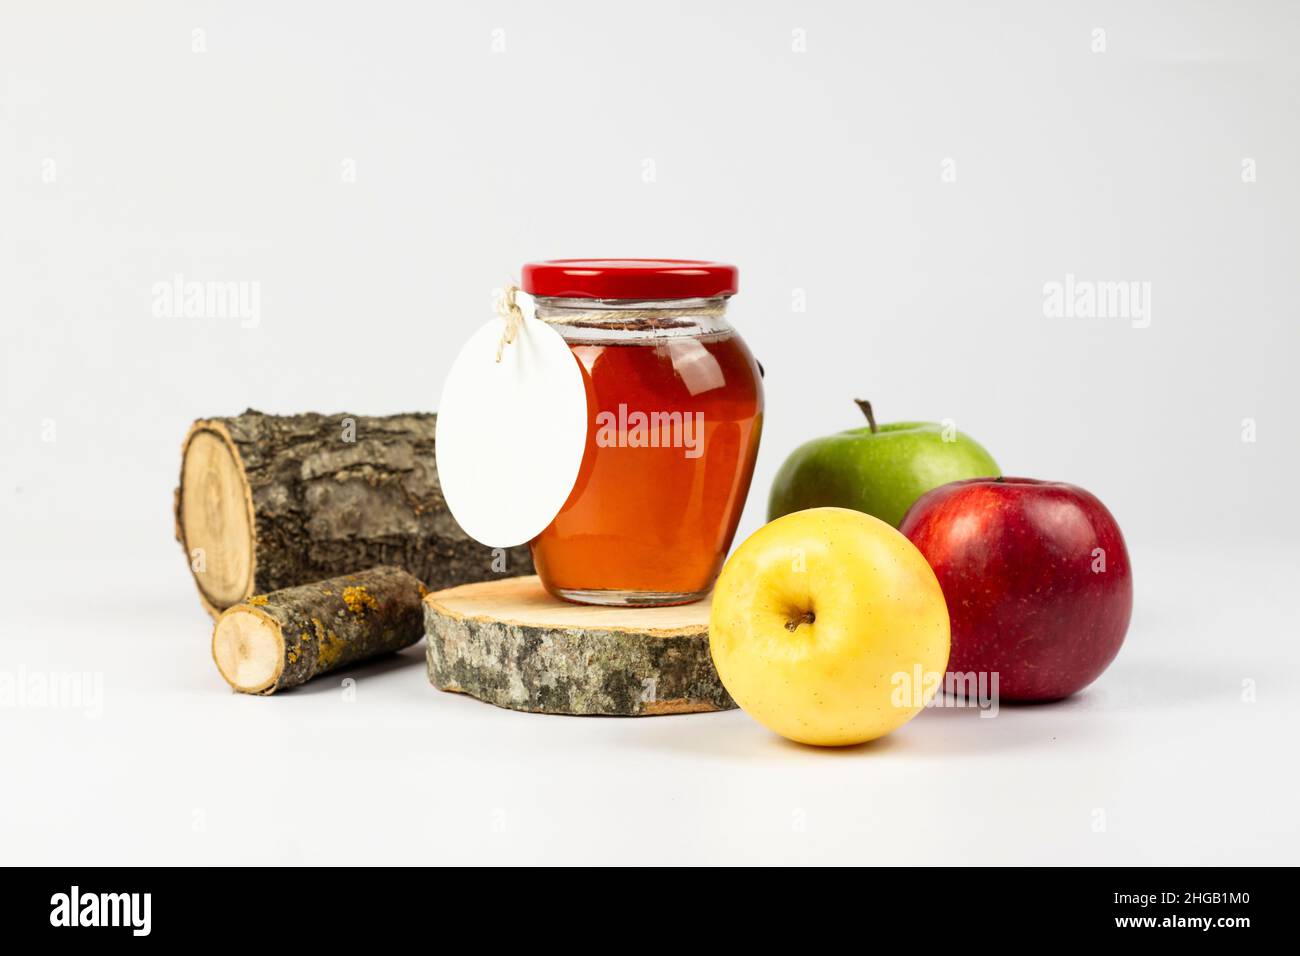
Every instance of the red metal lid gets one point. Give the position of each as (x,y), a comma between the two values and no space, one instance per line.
(629,278)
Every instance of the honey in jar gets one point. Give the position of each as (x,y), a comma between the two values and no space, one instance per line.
(675,401)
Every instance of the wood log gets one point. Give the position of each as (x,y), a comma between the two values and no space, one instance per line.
(510,643)
(272,501)
(285,638)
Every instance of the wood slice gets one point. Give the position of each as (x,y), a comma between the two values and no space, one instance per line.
(267,502)
(512,644)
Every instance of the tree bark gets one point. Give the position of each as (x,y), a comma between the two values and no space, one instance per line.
(273,501)
(285,638)
(511,644)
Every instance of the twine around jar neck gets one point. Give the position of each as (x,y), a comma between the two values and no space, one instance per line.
(513,317)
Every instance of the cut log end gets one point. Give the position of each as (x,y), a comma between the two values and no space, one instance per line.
(248,647)
(215,518)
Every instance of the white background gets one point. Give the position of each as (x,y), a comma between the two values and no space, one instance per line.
(685,130)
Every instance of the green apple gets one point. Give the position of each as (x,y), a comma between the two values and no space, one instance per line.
(877,469)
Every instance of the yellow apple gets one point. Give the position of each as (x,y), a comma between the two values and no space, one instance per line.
(829,627)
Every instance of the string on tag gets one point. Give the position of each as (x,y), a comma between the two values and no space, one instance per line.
(511,314)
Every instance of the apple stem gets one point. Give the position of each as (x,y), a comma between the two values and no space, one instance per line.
(866,410)
(808,618)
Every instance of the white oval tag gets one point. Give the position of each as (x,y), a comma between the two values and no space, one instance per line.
(511,434)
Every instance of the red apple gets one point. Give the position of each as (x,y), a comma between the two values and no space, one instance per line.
(1037,580)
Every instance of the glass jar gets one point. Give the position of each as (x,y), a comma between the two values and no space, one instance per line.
(676,407)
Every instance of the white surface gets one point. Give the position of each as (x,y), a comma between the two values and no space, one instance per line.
(177,769)
(374,170)
(511,434)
